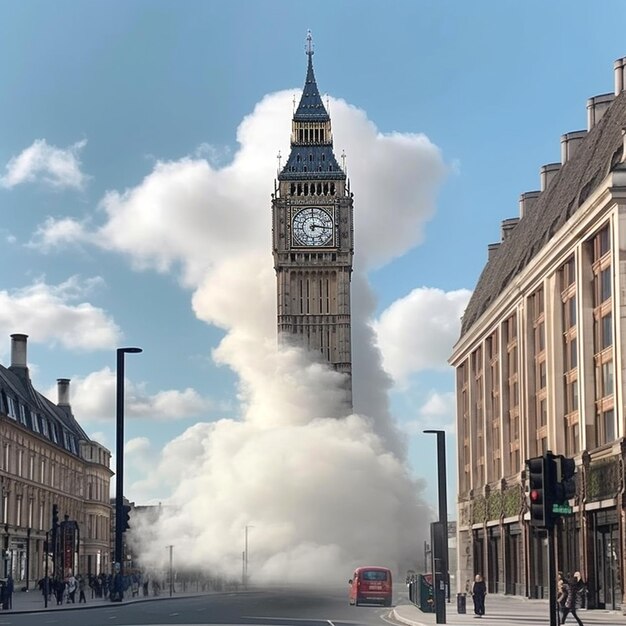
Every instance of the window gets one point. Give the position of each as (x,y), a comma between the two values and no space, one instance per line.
(12,406)
(374,575)
(34,420)
(22,414)
(605,284)
(607,425)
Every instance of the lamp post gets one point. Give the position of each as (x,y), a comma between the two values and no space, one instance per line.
(443,521)
(119,461)
(171,549)
(245,557)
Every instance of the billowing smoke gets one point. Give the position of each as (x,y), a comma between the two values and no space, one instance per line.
(319,493)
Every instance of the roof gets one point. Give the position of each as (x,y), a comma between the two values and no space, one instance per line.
(311,107)
(595,157)
(311,160)
(20,402)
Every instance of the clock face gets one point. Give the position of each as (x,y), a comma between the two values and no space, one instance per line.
(312,227)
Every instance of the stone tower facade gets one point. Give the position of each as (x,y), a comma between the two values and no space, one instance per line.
(312,224)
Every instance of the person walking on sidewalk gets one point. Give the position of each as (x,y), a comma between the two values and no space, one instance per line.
(571,590)
(81,589)
(479,591)
(71,589)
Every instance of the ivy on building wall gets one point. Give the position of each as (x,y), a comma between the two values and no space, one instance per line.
(603,480)
(479,510)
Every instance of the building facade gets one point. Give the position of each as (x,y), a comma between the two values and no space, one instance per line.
(541,365)
(312,236)
(48,463)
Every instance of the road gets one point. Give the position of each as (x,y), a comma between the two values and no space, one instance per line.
(278,607)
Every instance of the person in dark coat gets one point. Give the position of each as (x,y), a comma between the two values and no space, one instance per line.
(572,590)
(9,592)
(479,591)
(59,590)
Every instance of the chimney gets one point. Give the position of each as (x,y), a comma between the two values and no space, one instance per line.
(619,68)
(507,227)
(596,108)
(491,249)
(547,173)
(18,351)
(570,143)
(527,201)
(63,392)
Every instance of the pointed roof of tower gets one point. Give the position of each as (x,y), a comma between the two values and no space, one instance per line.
(311,107)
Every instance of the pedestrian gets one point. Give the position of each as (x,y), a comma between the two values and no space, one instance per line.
(9,592)
(59,588)
(81,589)
(560,591)
(72,584)
(479,591)
(581,591)
(571,588)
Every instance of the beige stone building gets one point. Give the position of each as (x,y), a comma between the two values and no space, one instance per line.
(541,365)
(46,459)
(312,226)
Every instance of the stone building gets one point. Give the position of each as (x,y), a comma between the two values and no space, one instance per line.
(46,459)
(312,226)
(541,365)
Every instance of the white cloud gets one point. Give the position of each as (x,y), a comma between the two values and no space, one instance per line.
(291,466)
(93,399)
(58,314)
(55,233)
(191,214)
(41,162)
(437,412)
(418,331)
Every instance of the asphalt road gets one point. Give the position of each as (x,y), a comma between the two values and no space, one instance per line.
(278,607)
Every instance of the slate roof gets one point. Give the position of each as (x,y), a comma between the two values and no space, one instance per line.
(311,160)
(311,107)
(595,157)
(20,402)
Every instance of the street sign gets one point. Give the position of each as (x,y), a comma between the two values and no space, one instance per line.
(562,509)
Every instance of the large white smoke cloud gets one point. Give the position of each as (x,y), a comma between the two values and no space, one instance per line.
(322,492)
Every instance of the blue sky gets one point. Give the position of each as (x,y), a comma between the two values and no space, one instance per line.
(102,92)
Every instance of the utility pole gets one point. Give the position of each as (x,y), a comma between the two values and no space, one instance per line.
(441,532)
(171,549)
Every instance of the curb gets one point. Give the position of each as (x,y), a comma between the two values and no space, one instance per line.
(405,620)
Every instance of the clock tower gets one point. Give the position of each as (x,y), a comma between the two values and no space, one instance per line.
(312,236)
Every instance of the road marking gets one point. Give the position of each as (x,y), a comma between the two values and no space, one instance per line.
(174,614)
(331,624)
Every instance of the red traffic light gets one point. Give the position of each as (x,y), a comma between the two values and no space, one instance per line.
(535,495)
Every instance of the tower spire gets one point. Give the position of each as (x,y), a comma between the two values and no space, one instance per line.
(309,44)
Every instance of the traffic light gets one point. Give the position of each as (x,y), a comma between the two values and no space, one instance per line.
(565,479)
(539,476)
(55,516)
(125,517)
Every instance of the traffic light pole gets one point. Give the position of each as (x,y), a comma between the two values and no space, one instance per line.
(552,575)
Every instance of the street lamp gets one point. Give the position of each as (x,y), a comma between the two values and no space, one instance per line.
(119,465)
(245,557)
(440,593)
(171,549)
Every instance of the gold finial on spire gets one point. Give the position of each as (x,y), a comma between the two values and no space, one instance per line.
(309,43)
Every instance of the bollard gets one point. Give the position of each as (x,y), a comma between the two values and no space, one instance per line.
(460,603)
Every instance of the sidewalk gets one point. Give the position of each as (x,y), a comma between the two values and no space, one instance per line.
(33,601)
(500,610)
